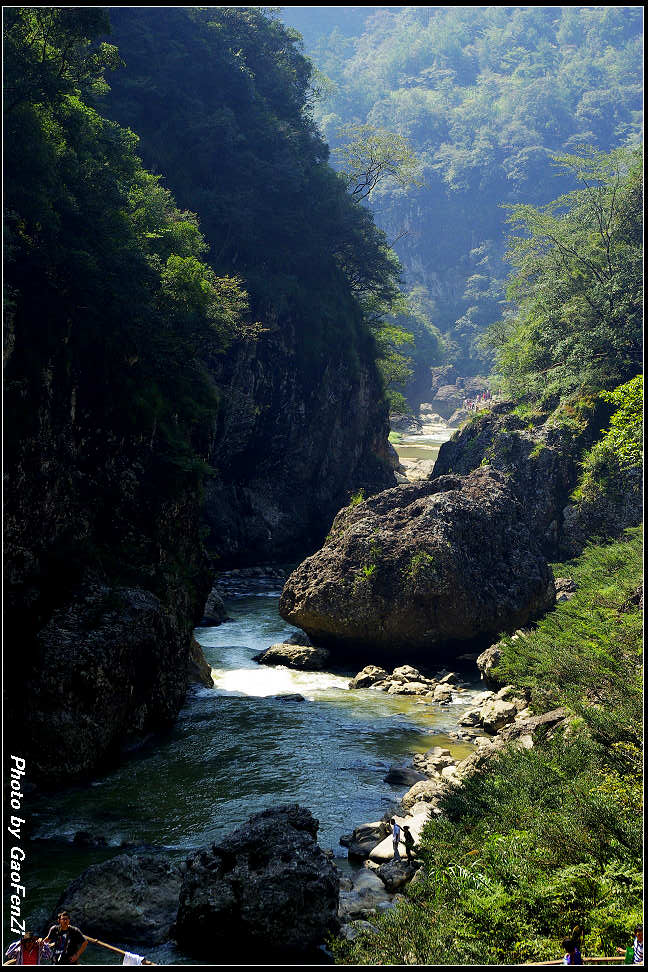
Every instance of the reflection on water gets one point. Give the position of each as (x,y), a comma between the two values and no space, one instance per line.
(235,750)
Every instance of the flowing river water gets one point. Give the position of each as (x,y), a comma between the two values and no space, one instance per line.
(236,749)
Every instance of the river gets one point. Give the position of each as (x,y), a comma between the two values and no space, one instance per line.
(234,750)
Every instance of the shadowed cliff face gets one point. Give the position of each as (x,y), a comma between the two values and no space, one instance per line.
(105,576)
(291,445)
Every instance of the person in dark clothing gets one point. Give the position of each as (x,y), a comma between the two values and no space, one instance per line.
(409,841)
(67,941)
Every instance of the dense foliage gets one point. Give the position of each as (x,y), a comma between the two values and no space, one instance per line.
(106,285)
(485,96)
(619,451)
(577,287)
(552,836)
(220,97)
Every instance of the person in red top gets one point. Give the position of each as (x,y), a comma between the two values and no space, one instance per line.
(29,950)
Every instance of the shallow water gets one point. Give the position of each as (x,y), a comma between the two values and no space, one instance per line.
(425,446)
(236,749)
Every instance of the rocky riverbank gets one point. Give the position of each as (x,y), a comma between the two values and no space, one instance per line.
(496,720)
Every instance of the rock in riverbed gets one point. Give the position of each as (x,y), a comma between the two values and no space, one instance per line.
(420,565)
(395,874)
(268,889)
(215,611)
(130,898)
(362,841)
(199,669)
(302,657)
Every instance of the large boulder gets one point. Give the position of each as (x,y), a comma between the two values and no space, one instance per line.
(268,889)
(419,566)
(362,841)
(132,898)
(302,657)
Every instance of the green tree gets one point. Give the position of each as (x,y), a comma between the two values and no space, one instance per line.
(577,285)
(371,156)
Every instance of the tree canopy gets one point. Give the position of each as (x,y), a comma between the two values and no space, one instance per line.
(577,285)
(106,286)
(485,97)
(221,98)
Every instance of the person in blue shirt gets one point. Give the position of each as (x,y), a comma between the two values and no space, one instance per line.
(572,952)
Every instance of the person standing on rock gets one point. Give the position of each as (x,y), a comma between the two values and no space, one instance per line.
(396,832)
(409,841)
(68,941)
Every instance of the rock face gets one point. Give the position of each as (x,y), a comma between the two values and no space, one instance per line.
(542,463)
(110,664)
(215,611)
(421,565)
(199,667)
(290,450)
(303,657)
(104,566)
(606,514)
(267,890)
(129,899)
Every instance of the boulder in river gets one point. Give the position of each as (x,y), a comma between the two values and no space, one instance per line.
(302,657)
(132,898)
(268,889)
(370,675)
(198,668)
(403,776)
(215,611)
(418,566)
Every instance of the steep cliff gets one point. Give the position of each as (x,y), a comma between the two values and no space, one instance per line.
(104,578)
(290,447)
(302,419)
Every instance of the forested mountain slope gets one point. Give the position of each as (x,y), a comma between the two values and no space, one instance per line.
(486,96)
(219,98)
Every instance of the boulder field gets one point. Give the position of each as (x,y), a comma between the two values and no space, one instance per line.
(419,566)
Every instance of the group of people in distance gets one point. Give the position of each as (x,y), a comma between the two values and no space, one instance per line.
(64,944)
(472,404)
